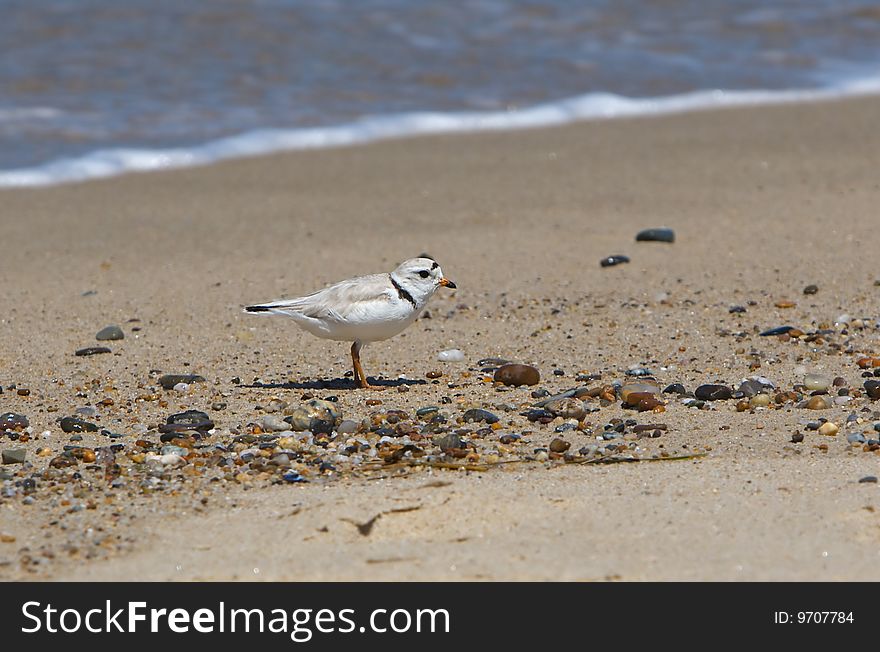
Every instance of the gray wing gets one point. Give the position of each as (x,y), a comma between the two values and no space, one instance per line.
(339,302)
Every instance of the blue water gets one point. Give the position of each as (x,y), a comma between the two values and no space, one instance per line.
(96,87)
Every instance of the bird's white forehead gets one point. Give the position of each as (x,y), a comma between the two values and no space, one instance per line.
(419,264)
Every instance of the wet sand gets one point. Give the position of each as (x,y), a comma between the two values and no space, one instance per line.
(763,202)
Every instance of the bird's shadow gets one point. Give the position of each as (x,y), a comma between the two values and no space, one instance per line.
(336,384)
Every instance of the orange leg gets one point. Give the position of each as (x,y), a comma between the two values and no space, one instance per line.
(359,376)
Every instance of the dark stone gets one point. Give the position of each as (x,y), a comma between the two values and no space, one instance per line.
(656,235)
(110,333)
(675,388)
(168,381)
(641,371)
(449,442)
(92,350)
(293,476)
(713,392)
(736,309)
(868,478)
(779,330)
(811,289)
(539,415)
(72,424)
(611,261)
(13,421)
(797,438)
(751,388)
(480,416)
(509,438)
(872,388)
(192,420)
(517,374)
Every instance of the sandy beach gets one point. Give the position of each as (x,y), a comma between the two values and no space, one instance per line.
(763,202)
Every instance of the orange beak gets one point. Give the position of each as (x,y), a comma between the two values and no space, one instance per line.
(445,282)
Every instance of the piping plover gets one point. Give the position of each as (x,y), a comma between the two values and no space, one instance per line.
(366,308)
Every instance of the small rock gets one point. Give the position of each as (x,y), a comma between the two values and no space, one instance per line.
(293,476)
(92,350)
(817,403)
(868,479)
(829,429)
(451,355)
(736,309)
(811,289)
(759,400)
(516,375)
(189,420)
(797,438)
(449,442)
(479,416)
(13,421)
(611,261)
(316,415)
(662,234)
(110,333)
(72,424)
(14,456)
(347,427)
(779,330)
(713,392)
(559,445)
(817,382)
(168,381)
(856,438)
(675,388)
(872,389)
(567,408)
(273,423)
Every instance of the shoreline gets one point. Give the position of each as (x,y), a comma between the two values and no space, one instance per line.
(763,201)
(590,107)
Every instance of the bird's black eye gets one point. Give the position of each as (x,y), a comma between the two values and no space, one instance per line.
(424,273)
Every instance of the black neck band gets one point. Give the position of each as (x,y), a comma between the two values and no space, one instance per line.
(403,294)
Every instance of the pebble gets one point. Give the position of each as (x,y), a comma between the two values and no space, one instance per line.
(567,408)
(868,479)
(479,416)
(872,388)
(559,445)
(713,392)
(811,289)
(638,371)
(611,261)
(451,355)
(817,382)
(347,427)
(449,442)
(293,476)
(662,234)
(736,309)
(817,403)
(110,333)
(516,375)
(14,455)
(273,423)
(191,419)
(675,388)
(168,381)
(92,350)
(181,388)
(72,424)
(316,415)
(759,400)
(632,393)
(779,330)
(13,421)
(856,438)
(829,429)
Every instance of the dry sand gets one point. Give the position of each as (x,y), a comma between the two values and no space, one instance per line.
(763,201)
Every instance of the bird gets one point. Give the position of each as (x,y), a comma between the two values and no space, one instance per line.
(365,308)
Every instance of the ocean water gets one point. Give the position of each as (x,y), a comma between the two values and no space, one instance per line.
(93,88)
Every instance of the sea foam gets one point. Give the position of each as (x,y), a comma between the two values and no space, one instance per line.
(593,106)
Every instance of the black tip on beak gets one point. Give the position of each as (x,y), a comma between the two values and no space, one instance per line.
(445,282)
